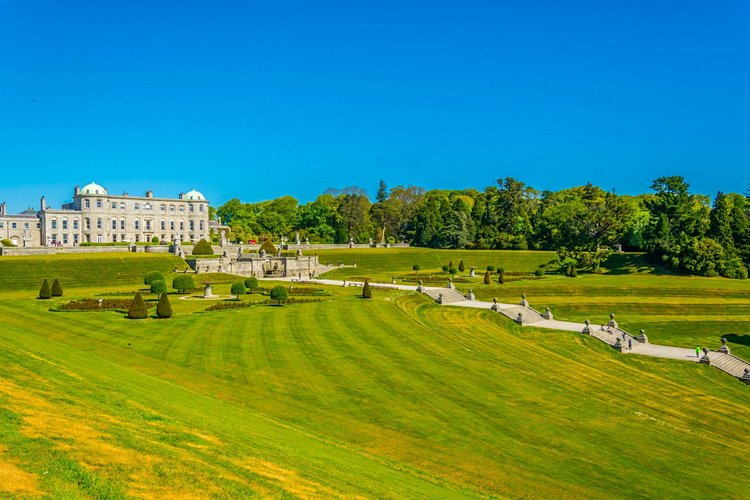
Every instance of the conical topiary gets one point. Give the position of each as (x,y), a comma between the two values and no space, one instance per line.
(138,309)
(57,290)
(501,277)
(164,308)
(487,278)
(45,292)
(366,291)
(573,272)
(203,248)
(268,247)
(461,266)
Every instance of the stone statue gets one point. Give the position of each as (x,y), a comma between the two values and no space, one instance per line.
(296,237)
(440,298)
(586,328)
(420,288)
(470,295)
(547,313)
(724,348)
(705,359)
(307,240)
(642,338)
(524,302)
(450,284)
(612,323)
(495,307)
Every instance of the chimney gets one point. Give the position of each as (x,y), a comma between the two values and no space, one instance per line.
(43,204)
(76,191)
(182,196)
(2,208)
(149,194)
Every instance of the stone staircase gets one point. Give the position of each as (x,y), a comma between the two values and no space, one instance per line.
(529,316)
(449,295)
(729,363)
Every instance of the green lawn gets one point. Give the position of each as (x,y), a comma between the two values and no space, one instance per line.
(389,397)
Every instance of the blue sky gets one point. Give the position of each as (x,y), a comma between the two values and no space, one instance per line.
(260,99)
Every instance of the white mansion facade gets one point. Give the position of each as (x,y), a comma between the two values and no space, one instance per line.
(95,216)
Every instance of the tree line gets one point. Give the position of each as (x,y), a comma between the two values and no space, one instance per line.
(682,230)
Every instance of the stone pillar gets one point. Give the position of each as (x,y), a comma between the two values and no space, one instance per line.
(586,328)
(724,347)
(547,314)
(705,359)
(471,273)
(207,292)
(746,376)
(524,302)
(642,338)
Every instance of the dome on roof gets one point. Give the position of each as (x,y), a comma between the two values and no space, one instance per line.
(93,188)
(195,196)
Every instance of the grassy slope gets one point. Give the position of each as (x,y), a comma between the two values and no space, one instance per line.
(382,263)
(393,396)
(73,270)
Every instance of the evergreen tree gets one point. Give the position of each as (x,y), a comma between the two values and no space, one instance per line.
(137,309)
(366,291)
(203,248)
(57,290)
(382,195)
(486,277)
(45,292)
(164,308)
(501,276)
(721,222)
(461,266)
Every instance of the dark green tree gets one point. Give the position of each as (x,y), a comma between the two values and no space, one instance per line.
(45,292)
(164,308)
(203,248)
(501,275)
(153,276)
(279,294)
(487,278)
(158,287)
(251,283)
(183,283)
(137,309)
(461,266)
(238,289)
(366,291)
(57,290)
(416,268)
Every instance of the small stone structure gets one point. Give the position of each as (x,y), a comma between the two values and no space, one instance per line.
(724,347)
(470,295)
(586,328)
(420,287)
(519,318)
(495,307)
(450,284)
(260,265)
(642,338)
(471,272)
(524,302)
(547,314)
(746,376)
(439,299)
(208,292)
(618,344)
(705,359)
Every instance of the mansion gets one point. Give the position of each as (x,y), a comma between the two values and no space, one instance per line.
(95,216)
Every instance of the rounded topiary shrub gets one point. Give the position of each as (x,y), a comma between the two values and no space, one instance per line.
(445,268)
(491,269)
(158,287)
(57,290)
(539,272)
(183,283)
(267,246)
(45,292)
(164,308)
(416,267)
(155,240)
(279,294)
(453,271)
(366,290)
(153,276)
(251,283)
(238,289)
(138,309)
(203,248)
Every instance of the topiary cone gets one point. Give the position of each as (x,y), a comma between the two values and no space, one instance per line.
(366,291)
(57,290)
(138,309)
(164,308)
(45,292)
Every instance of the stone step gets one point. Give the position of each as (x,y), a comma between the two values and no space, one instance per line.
(729,364)
(528,316)
(449,295)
